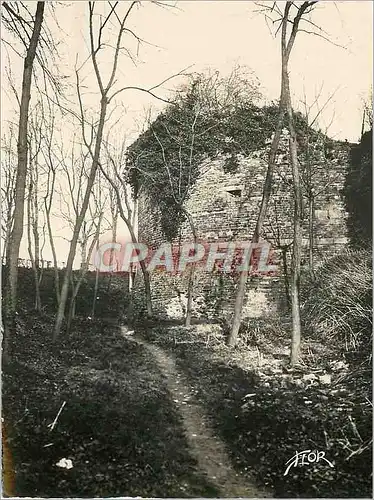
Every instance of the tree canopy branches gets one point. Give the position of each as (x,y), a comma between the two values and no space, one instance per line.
(18,20)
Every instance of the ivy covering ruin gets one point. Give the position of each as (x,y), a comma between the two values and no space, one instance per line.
(165,160)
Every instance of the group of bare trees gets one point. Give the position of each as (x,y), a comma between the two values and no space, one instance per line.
(289,16)
(44,167)
(289,27)
(88,178)
(114,172)
(17,23)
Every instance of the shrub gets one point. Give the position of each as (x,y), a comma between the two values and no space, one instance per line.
(338,303)
(358,193)
(267,334)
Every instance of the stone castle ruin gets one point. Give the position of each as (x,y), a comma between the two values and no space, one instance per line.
(224,203)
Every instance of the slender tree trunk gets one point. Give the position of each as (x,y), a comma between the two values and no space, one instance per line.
(74,292)
(47,207)
(48,198)
(311,201)
(128,222)
(190,288)
(41,272)
(147,288)
(19,203)
(54,255)
(35,218)
(114,238)
(191,277)
(133,271)
(285,276)
(35,232)
(73,302)
(7,196)
(311,234)
(297,238)
(286,48)
(8,232)
(30,223)
(83,252)
(241,290)
(95,293)
(131,279)
(79,221)
(97,275)
(82,274)
(114,235)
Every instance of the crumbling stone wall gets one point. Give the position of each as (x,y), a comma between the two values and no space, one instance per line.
(224,207)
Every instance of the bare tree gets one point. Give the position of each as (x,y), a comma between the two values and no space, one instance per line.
(101,205)
(297,236)
(89,238)
(313,159)
(115,175)
(8,178)
(75,167)
(34,257)
(287,43)
(114,211)
(276,237)
(97,274)
(51,165)
(33,204)
(22,150)
(93,145)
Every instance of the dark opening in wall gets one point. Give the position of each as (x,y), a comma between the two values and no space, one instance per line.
(234,192)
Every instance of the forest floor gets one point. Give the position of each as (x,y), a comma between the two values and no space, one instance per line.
(170,412)
(204,445)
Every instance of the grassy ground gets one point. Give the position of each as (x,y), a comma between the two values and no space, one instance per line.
(118,427)
(265,413)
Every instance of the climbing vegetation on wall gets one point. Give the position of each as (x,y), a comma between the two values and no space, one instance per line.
(358,193)
(210,116)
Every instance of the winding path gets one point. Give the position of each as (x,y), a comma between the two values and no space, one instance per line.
(207,448)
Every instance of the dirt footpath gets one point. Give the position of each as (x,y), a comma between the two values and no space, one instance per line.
(205,447)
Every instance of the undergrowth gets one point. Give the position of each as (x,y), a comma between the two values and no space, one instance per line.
(265,411)
(338,303)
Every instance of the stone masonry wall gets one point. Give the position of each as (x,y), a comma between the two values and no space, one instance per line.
(224,207)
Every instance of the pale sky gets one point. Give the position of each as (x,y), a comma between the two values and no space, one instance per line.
(220,34)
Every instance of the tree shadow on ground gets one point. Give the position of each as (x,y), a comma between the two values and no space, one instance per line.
(264,426)
(119,426)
